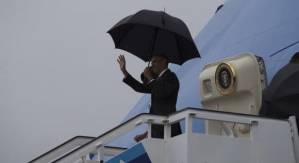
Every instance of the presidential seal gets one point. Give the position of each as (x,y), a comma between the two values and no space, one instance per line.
(225,79)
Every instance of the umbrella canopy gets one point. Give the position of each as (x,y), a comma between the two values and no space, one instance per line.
(282,108)
(284,83)
(148,33)
(280,99)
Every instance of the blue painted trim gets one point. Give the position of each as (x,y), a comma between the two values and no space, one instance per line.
(142,159)
(137,152)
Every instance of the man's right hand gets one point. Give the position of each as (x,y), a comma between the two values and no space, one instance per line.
(148,73)
(122,64)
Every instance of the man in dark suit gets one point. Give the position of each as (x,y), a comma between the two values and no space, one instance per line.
(163,85)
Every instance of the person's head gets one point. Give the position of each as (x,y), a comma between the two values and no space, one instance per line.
(295,58)
(159,63)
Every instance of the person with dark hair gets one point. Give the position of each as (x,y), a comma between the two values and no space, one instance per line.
(162,84)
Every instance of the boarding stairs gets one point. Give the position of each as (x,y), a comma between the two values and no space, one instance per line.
(268,141)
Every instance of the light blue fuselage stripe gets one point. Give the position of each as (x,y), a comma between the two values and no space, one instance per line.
(129,155)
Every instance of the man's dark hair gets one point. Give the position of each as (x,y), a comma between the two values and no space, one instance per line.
(163,56)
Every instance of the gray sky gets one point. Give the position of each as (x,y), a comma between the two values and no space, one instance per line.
(58,71)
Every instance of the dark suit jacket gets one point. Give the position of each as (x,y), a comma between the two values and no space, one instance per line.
(164,92)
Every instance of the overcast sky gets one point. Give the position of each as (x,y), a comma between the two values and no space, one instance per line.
(58,71)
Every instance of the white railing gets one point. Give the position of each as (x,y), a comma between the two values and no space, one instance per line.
(294,128)
(96,145)
(62,149)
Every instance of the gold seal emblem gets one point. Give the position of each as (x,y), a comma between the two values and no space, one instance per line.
(225,79)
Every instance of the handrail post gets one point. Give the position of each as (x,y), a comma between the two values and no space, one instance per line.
(83,158)
(189,123)
(149,130)
(167,129)
(295,136)
(100,151)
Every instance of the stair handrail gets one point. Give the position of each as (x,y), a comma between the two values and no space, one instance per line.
(61,149)
(149,119)
(110,135)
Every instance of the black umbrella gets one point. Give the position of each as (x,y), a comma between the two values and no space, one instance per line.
(149,33)
(285,83)
(281,98)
